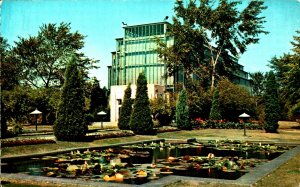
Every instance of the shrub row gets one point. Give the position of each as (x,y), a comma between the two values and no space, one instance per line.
(224,125)
(17,142)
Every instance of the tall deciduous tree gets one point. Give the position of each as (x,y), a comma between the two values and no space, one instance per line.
(9,67)
(287,69)
(182,111)
(141,120)
(272,107)
(43,57)
(207,31)
(126,109)
(70,123)
(257,80)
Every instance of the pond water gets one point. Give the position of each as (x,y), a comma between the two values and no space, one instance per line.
(141,163)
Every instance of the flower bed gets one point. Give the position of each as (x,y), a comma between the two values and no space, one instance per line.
(19,142)
(222,124)
(110,134)
(167,129)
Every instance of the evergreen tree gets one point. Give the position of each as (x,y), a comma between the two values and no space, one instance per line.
(182,111)
(126,109)
(272,107)
(70,124)
(141,120)
(215,113)
(98,99)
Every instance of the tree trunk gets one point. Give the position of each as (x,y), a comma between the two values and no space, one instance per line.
(213,77)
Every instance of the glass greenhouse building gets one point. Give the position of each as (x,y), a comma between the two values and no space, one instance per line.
(135,53)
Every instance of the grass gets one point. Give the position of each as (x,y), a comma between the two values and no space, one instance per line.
(287,174)
(252,135)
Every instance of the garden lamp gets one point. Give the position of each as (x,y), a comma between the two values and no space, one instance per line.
(244,116)
(102,113)
(36,112)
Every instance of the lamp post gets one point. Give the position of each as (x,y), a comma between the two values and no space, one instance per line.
(36,112)
(244,116)
(102,113)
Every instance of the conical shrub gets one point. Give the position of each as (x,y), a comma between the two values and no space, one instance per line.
(182,112)
(272,107)
(70,123)
(141,120)
(126,109)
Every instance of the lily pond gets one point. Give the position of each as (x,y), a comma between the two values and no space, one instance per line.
(141,163)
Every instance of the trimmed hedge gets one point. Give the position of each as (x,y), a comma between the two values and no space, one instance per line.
(220,124)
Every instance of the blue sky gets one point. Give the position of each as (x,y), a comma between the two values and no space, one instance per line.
(100,21)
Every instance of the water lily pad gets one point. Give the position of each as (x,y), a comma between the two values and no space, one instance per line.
(50,174)
(72,168)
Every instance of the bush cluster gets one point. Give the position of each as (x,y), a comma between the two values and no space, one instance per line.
(215,112)
(20,101)
(162,111)
(233,101)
